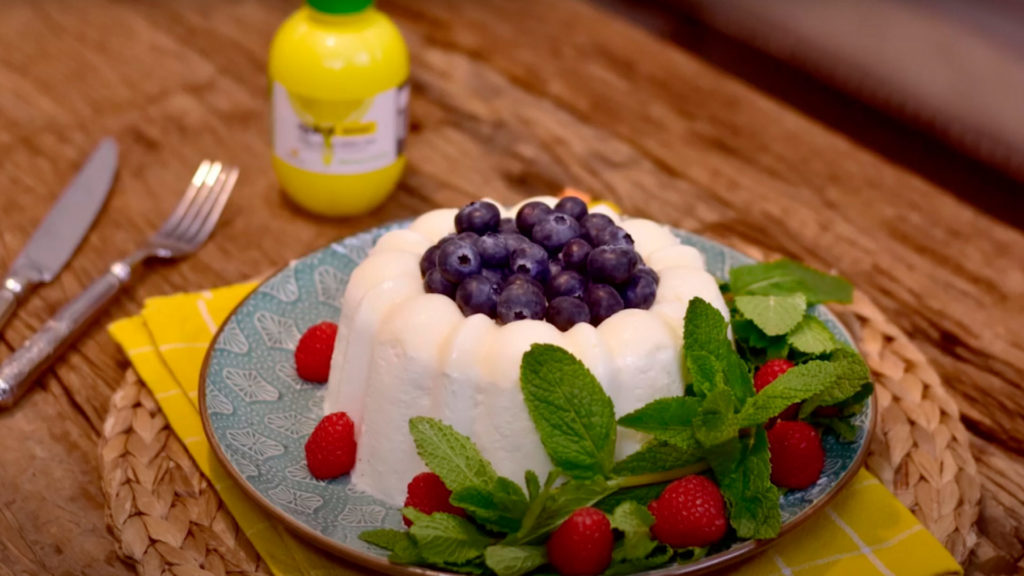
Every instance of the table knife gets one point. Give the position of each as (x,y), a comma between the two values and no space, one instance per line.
(61,231)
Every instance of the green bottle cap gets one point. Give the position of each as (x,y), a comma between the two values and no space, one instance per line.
(339,6)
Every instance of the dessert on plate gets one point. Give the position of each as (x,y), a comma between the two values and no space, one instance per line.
(435,322)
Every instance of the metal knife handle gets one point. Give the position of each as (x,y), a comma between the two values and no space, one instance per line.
(8,302)
(21,369)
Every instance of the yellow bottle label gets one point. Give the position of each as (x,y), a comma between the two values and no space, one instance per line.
(340,137)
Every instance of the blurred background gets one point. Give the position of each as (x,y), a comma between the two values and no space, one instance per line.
(936,85)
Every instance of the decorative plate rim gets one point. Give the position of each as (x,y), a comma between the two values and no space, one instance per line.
(706,565)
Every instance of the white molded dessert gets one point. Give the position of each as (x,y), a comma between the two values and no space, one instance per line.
(402,352)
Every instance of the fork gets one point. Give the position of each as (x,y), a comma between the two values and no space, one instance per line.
(182,233)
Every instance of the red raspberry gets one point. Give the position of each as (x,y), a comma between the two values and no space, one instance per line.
(827,412)
(767,374)
(689,513)
(331,448)
(797,455)
(582,545)
(313,354)
(428,494)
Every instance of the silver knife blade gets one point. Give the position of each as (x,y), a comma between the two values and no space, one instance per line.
(61,231)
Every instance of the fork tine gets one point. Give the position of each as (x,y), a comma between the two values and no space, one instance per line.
(213,216)
(203,208)
(179,225)
(190,192)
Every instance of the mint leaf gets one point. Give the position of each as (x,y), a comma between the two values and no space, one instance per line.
(669,419)
(774,315)
(704,373)
(554,506)
(851,374)
(841,427)
(572,413)
(398,542)
(657,456)
(743,469)
(706,332)
(448,539)
(796,385)
(532,484)
(514,560)
(744,330)
(450,455)
(413,514)
(634,521)
(716,420)
(811,336)
(642,495)
(661,555)
(499,507)
(784,277)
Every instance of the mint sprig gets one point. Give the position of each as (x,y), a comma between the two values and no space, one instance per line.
(572,413)
(450,455)
(742,467)
(774,315)
(785,278)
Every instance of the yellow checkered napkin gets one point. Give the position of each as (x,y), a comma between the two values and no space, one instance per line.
(864,531)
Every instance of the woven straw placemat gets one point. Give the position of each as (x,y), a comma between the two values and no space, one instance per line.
(168,519)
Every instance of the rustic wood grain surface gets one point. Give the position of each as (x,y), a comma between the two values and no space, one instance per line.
(511,98)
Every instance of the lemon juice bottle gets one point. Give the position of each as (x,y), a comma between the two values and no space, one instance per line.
(339,73)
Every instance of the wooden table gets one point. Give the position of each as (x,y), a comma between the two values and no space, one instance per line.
(511,99)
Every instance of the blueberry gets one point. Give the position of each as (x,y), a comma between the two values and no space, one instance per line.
(639,291)
(458,260)
(565,312)
(643,270)
(470,237)
(477,295)
(515,240)
(494,275)
(530,214)
(529,259)
(593,223)
(574,254)
(493,250)
(566,283)
(507,225)
(609,264)
(429,259)
(612,236)
(572,206)
(603,301)
(435,283)
(521,301)
(522,279)
(480,217)
(554,230)
(555,266)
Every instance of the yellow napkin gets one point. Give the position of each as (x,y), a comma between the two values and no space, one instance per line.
(864,531)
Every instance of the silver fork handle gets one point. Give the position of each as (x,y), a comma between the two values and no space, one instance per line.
(21,369)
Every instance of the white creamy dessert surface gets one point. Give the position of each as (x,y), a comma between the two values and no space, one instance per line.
(402,352)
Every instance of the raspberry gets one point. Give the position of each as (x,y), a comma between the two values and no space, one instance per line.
(331,448)
(689,513)
(797,455)
(582,545)
(428,494)
(767,374)
(313,354)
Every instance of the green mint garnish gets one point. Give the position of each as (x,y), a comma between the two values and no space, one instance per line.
(774,315)
(658,557)
(532,484)
(669,419)
(514,560)
(634,521)
(554,505)
(450,455)
(446,539)
(796,385)
(499,507)
(398,542)
(572,413)
(657,456)
(786,277)
(706,344)
(851,375)
(811,336)
(716,420)
(642,495)
(743,469)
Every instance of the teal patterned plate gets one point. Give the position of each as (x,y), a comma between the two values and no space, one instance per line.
(258,413)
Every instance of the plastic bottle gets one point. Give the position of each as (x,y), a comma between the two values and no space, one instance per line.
(339,73)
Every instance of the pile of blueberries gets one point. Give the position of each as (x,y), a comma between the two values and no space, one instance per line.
(561,264)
